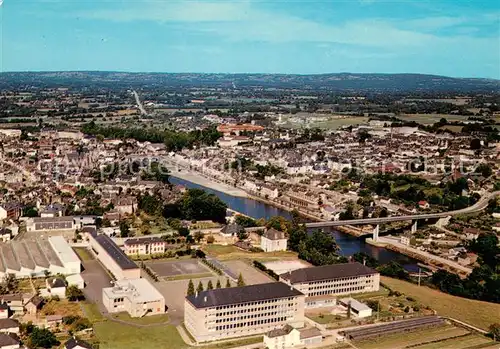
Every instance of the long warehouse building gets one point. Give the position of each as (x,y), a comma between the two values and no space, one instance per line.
(113,258)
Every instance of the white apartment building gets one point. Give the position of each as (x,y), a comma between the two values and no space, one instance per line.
(136,296)
(242,311)
(333,280)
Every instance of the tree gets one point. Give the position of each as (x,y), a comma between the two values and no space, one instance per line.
(183,231)
(495,331)
(42,338)
(200,287)
(210,286)
(198,236)
(218,285)
(228,284)
(475,144)
(240,282)
(485,170)
(73,293)
(190,290)
(124,229)
(245,222)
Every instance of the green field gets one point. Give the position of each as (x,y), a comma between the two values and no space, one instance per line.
(83,253)
(466,342)
(112,335)
(92,312)
(476,313)
(429,119)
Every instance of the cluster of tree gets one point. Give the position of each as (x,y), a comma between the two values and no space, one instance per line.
(195,204)
(484,281)
(73,293)
(173,140)
(245,222)
(37,337)
(77,323)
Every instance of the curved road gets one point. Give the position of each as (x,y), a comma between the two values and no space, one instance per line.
(478,206)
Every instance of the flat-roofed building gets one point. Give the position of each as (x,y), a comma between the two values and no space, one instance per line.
(336,279)
(136,296)
(113,258)
(144,246)
(243,311)
(51,224)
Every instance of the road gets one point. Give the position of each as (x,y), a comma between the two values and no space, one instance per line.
(139,104)
(478,206)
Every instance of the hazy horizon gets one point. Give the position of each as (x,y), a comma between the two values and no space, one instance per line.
(447,38)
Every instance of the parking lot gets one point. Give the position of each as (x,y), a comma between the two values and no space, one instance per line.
(251,275)
(96,278)
(175,268)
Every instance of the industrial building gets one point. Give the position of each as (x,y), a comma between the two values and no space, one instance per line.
(113,258)
(51,224)
(137,297)
(33,258)
(242,311)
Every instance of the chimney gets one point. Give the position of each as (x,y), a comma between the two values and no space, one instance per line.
(205,299)
(196,294)
(364,261)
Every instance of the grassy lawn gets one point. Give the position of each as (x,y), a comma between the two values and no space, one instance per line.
(477,313)
(326,318)
(398,340)
(61,307)
(147,320)
(112,335)
(466,342)
(92,312)
(232,252)
(83,253)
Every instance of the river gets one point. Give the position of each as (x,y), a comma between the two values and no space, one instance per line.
(348,244)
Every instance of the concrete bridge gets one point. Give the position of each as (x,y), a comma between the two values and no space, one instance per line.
(442,217)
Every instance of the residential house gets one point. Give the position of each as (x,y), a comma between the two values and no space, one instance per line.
(273,240)
(290,337)
(34,305)
(357,308)
(269,191)
(405,239)
(4,311)
(232,229)
(74,343)
(54,287)
(9,326)
(14,301)
(12,210)
(53,321)
(423,205)
(9,341)
(126,205)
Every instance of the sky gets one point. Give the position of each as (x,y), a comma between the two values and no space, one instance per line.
(459,38)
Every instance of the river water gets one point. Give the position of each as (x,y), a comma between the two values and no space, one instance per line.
(348,244)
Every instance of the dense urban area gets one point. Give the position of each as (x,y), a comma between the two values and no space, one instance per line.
(249,211)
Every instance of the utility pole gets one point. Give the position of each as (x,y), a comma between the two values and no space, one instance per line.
(378,309)
(419,276)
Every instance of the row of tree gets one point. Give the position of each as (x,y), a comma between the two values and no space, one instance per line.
(191,290)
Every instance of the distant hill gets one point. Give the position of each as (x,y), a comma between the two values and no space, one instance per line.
(334,82)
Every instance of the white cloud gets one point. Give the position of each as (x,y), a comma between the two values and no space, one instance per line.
(245,21)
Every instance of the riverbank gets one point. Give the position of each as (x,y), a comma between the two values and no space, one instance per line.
(427,258)
(199,179)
